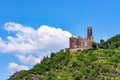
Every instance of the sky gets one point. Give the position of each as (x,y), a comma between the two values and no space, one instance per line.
(32,29)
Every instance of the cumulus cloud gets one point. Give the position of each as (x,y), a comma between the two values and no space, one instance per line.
(28,59)
(30,45)
(29,40)
(13,67)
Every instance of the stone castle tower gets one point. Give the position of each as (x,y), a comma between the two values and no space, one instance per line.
(80,43)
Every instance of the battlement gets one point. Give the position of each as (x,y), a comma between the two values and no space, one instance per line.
(79,43)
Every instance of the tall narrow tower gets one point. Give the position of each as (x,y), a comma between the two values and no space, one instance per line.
(89,33)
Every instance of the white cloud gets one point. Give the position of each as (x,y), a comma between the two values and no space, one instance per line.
(28,59)
(29,40)
(13,67)
(30,45)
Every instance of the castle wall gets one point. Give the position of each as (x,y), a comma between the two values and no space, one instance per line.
(81,43)
(73,43)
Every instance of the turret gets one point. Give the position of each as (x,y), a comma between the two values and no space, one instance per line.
(89,33)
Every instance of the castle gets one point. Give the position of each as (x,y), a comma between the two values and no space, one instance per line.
(80,43)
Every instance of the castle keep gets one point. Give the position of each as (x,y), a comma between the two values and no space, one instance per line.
(80,43)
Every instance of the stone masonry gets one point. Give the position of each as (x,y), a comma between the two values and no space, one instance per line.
(80,43)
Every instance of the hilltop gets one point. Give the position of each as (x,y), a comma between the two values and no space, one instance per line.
(112,43)
(91,64)
(86,64)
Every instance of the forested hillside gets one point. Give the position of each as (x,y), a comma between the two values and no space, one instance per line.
(101,63)
(84,65)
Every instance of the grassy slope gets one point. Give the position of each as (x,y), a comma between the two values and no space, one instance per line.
(84,65)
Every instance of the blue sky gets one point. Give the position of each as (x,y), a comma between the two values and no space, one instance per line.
(20,20)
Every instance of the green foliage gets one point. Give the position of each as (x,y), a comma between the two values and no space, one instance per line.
(112,43)
(20,76)
(100,64)
(94,45)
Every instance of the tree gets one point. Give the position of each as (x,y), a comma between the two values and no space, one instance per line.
(94,45)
